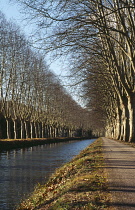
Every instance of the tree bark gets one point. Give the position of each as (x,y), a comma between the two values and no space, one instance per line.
(31,130)
(36,130)
(15,129)
(43,130)
(131,107)
(26,129)
(22,130)
(8,128)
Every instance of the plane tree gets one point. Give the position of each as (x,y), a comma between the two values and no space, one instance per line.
(73,25)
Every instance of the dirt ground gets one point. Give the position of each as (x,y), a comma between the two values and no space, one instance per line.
(120,168)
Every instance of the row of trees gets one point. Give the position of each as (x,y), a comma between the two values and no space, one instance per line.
(100,37)
(115,82)
(33,103)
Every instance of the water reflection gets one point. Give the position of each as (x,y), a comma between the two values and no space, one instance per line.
(22,169)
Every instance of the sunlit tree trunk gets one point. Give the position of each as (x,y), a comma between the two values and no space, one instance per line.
(43,130)
(31,130)
(22,129)
(8,121)
(15,129)
(131,107)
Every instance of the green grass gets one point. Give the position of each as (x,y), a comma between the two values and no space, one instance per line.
(79,184)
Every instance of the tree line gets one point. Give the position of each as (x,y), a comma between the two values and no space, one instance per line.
(33,103)
(99,38)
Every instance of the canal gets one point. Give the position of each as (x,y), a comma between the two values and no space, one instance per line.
(22,169)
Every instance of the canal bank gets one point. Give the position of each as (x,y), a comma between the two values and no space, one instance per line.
(79,184)
(8,144)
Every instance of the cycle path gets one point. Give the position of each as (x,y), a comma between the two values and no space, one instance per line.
(120,167)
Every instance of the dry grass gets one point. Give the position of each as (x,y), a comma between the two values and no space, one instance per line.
(79,184)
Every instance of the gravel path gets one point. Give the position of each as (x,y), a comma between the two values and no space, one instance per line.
(120,166)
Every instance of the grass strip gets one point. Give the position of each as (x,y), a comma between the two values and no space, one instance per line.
(79,184)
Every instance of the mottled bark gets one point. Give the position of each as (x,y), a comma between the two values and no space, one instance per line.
(31,130)
(8,121)
(22,130)
(131,107)
(15,129)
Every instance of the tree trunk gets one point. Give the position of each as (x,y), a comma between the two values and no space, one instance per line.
(36,130)
(15,129)
(131,107)
(8,128)
(31,130)
(125,129)
(57,131)
(22,129)
(46,131)
(43,130)
(118,127)
(26,129)
(50,131)
(39,130)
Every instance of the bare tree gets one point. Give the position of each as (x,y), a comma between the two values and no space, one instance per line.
(33,102)
(78,25)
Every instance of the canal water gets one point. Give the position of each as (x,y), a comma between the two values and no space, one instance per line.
(22,169)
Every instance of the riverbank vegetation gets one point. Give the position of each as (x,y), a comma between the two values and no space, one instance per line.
(98,38)
(79,184)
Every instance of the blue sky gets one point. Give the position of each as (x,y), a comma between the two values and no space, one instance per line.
(11,11)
